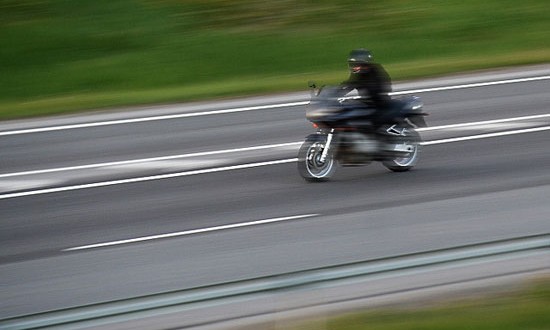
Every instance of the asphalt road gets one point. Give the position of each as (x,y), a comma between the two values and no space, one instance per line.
(119,206)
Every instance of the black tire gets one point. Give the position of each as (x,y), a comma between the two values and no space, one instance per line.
(310,166)
(408,161)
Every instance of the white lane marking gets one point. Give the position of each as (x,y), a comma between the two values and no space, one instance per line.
(243,166)
(166,165)
(487,135)
(253,108)
(253,148)
(190,232)
(494,127)
(11,185)
(481,123)
(144,179)
(154,118)
(153,159)
(473,85)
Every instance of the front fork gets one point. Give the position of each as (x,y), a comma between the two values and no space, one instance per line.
(327,146)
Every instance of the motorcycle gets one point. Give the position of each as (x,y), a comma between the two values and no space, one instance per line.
(346,134)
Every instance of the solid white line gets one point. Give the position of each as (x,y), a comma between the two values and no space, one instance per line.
(144,179)
(154,118)
(479,123)
(190,232)
(244,149)
(253,108)
(485,136)
(153,159)
(482,84)
(244,166)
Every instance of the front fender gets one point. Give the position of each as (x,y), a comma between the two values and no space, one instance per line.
(317,137)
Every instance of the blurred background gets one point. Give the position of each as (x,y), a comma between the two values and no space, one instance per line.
(63,55)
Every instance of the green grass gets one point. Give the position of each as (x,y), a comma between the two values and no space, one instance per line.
(528,309)
(65,55)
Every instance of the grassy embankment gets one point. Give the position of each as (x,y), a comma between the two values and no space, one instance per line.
(64,55)
(526,308)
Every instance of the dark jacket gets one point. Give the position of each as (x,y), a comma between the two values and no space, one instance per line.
(375,84)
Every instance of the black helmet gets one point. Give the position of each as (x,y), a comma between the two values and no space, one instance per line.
(359,60)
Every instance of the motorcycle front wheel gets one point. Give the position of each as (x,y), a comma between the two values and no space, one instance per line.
(310,166)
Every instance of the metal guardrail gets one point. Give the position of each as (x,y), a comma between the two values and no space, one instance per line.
(139,306)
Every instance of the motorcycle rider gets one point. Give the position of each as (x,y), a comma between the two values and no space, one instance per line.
(372,83)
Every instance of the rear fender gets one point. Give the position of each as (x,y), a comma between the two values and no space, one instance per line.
(413,110)
(418,120)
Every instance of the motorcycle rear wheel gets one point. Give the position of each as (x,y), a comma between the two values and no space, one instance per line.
(408,161)
(310,166)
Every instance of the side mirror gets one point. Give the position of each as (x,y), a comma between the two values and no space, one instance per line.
(312,84)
